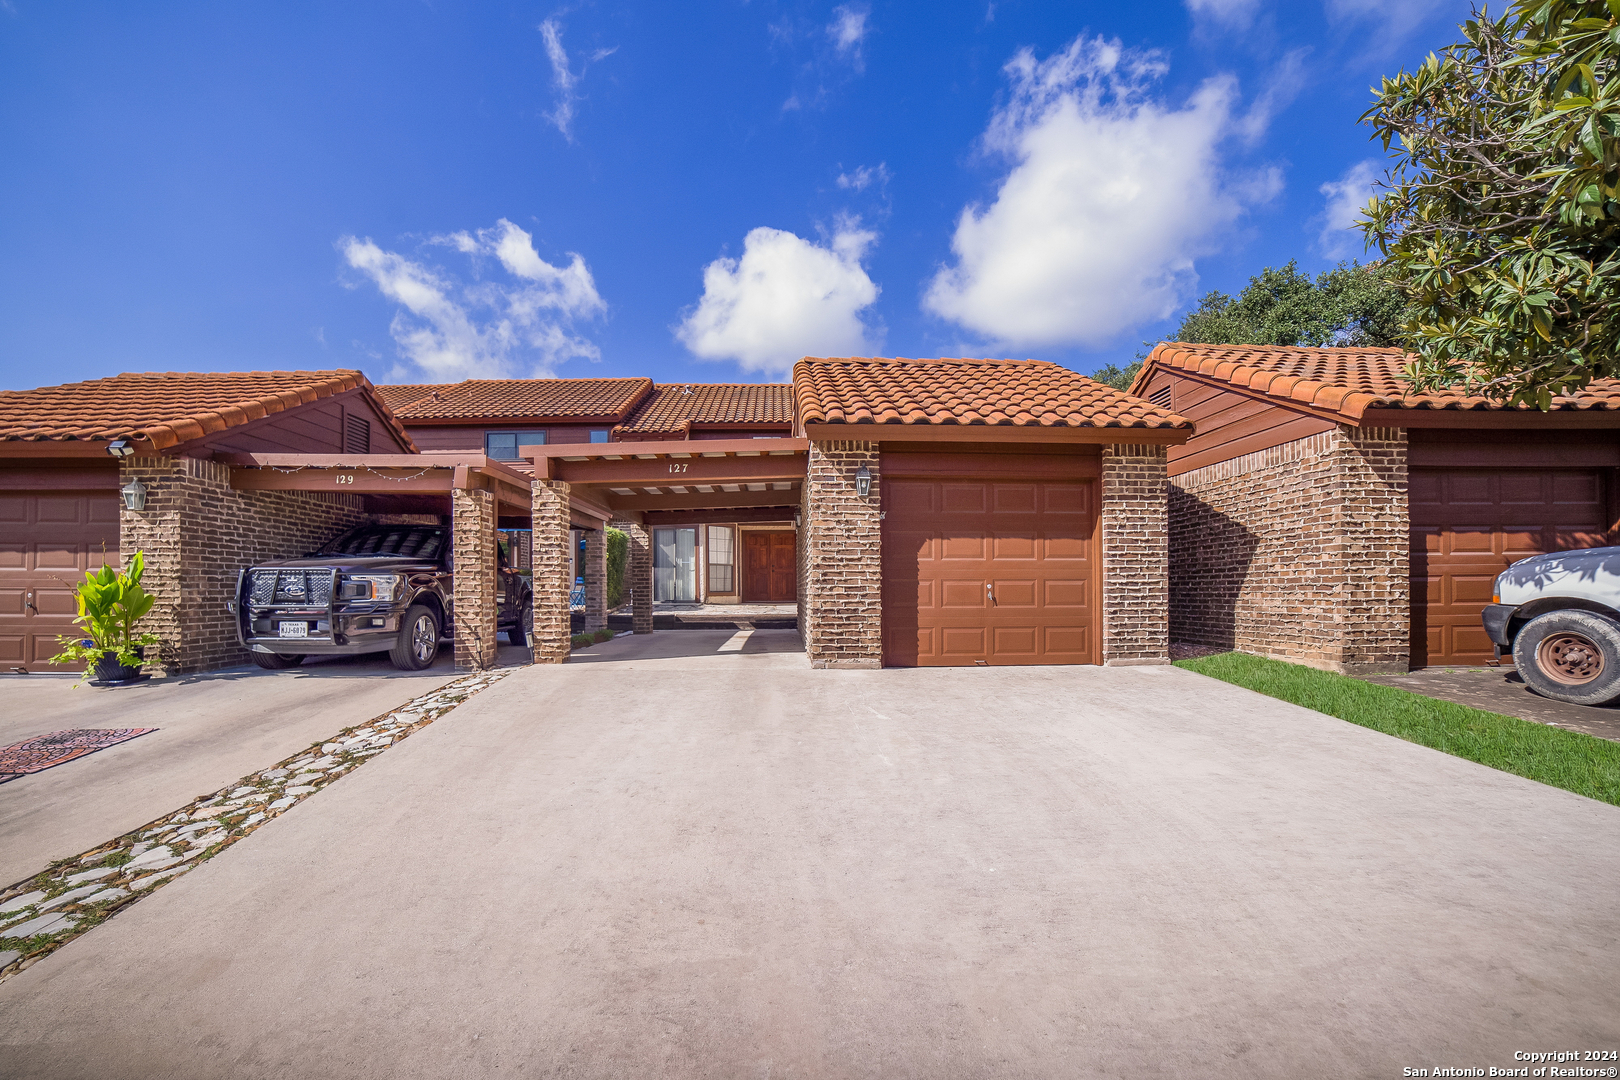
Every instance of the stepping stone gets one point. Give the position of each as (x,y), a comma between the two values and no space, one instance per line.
(92,875)
(105,895)
(148,882)
(17,903)
(302,789)
(208,840)
(7,956)
(282,804)
(274,774)
(69,897)
(148,857)
(44,924)
(252,819)
(242,792)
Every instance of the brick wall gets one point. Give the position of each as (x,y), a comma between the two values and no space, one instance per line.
(840,544)
(551,580)
(198,533)
(1297,552)
(472,515)
(595,574)
(638,574)
(1135,556)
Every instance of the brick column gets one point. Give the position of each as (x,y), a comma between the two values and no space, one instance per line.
(1374,612)
(551,580)
(472,517)
(595,573)
(841,601)
(638,574)
(1135,556)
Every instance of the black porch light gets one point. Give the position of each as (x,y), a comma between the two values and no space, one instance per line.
(863,481)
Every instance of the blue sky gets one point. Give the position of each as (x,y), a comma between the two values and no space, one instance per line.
(436,190)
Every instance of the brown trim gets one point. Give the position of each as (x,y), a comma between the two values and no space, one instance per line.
(682,472)
(64,448)
(987,466)
(48,479)
(1491,418)
(1513,454)
(700,500)
(734,516)
(953,433)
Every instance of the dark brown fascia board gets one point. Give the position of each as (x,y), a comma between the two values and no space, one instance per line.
(979,433)
(701,500)
(510,421)
(734,516)
(34,449)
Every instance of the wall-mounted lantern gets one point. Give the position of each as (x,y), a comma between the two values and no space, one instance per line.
(134,494)
(863,481)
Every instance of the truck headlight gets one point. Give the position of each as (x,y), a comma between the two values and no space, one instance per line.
(369,587)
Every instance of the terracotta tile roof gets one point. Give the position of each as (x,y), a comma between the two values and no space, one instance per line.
(679,407)
(1346,382)
(529,399)
(399,395)
(168,408)
(997,393)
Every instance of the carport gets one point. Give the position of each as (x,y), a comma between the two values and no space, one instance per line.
(636,487)
(478,493)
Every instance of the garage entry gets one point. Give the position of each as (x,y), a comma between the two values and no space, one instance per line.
(990,559)
(1468,525)
(47,541)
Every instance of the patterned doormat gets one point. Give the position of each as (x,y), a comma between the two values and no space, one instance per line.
(59,746)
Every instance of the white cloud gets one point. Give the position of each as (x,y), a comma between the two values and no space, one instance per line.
(862,177)
(1345,198)
(785,298)
(1399,17)
(563,76)
(1111,196)
(485,329)
(1234,13)
(848,29)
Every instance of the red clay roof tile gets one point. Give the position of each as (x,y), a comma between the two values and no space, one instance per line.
(997,393)
(679,407)
(528,399)
(1346,382)
(169,408)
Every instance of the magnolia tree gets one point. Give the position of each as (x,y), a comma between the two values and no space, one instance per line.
(1501,218)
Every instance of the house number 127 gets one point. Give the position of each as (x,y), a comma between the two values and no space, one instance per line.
(678,467)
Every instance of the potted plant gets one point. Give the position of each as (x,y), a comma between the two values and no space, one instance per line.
(111,602)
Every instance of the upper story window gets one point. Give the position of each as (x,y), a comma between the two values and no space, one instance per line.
(503,445)
(599,434)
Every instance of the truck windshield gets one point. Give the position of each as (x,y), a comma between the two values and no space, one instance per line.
(405,541)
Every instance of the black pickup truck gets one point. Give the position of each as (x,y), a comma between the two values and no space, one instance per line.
(379,588)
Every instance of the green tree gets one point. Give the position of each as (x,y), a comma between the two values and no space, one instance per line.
(1347,305)
(1500,220)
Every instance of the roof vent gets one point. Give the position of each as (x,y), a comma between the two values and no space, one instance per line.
(1161,396)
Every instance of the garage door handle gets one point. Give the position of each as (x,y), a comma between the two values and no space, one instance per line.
(29,601)
(989,593)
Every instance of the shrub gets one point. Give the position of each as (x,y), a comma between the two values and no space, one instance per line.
(618,554)
(604,634)
(581,641)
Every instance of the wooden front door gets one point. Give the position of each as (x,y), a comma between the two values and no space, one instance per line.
(989,572)
(1468,525)
(47,542)
(770,571)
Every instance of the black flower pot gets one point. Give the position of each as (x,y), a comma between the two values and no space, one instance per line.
(109,672)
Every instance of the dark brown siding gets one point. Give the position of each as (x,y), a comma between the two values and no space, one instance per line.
(316,428)
(1230,424)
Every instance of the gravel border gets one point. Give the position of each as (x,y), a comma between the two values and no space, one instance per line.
(45,912)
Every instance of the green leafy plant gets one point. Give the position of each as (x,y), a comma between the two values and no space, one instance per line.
(110,602)
(1501,217)
(581,641)
(602,634)
(618,554)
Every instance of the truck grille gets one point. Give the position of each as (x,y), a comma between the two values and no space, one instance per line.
(312,587)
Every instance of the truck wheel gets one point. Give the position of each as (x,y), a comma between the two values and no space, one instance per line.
(525,619)
(418,642)
(272,661)
(1571,656)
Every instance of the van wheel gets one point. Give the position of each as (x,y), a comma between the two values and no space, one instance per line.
(1571,656)
(418,642)
(272,661)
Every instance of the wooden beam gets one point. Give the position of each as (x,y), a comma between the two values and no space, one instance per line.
(665,447)
(330,461)
(343,481)
(684,472)
(66,448)
(1494,419)
(981,433)
(738,515)
(700,500)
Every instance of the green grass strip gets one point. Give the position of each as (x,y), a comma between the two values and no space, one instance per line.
(1564,759)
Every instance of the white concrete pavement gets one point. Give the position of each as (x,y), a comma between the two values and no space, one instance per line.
(212,729)
(663,859)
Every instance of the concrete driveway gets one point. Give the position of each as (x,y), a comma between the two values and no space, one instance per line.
(212,729)
(675,861)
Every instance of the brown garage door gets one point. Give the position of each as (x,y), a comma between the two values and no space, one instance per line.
(47,542)
(1468,525)
(988,571)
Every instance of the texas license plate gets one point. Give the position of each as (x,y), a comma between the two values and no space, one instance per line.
(293,629)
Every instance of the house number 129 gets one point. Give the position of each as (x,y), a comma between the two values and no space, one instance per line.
(345,478)
(678,467)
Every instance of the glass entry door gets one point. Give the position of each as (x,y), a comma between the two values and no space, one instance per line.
(675,565)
